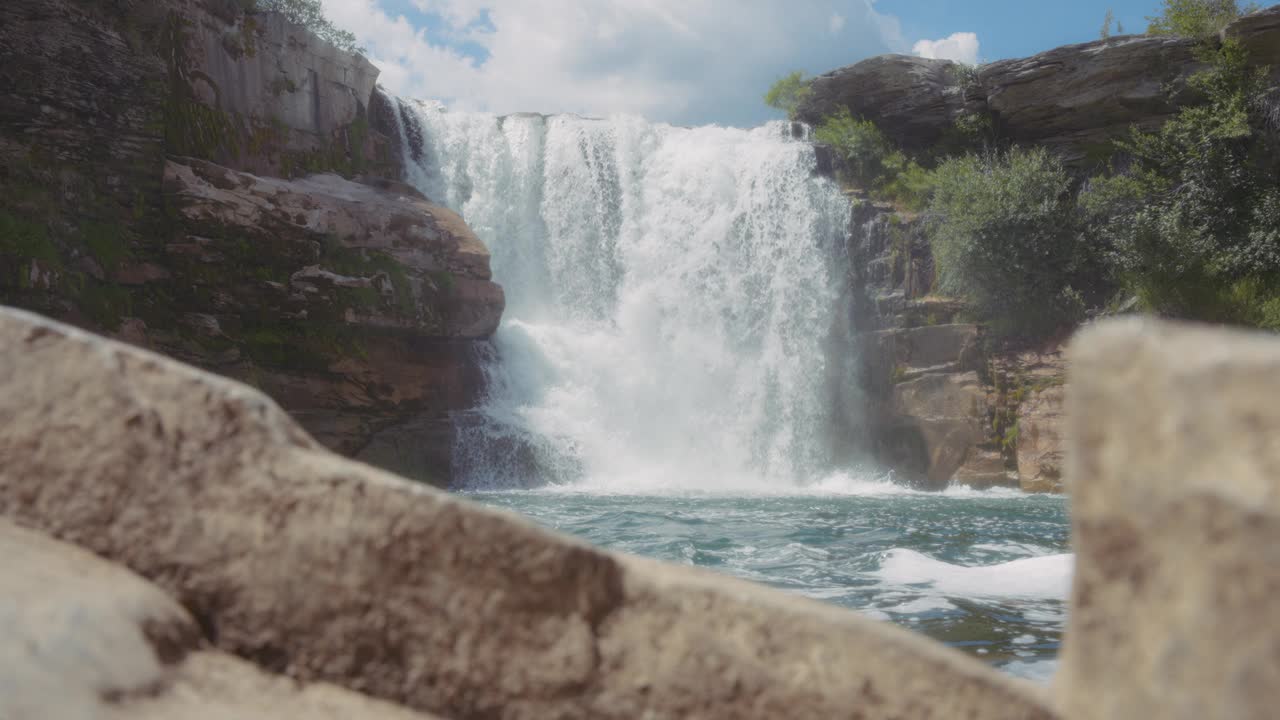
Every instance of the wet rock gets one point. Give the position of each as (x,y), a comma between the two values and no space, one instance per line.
(326,570)
(1174,472)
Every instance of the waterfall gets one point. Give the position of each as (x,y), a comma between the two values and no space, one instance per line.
(670,293)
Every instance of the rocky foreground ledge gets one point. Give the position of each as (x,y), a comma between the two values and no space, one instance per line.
(244,571)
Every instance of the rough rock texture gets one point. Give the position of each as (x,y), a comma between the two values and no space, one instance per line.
(356,314)
(1074,99)
(947,412)
(1040,420)
(352,300)
(413,265)
(254,92)
(1174,472)
(915,99)
(87,639)
(327,570)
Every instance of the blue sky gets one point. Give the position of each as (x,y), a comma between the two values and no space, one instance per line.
(684,61)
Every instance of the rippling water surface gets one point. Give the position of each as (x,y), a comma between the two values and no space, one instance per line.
(986,572)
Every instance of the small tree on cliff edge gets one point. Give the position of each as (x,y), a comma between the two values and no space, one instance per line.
(1196,18)
(309,14)
(787,93)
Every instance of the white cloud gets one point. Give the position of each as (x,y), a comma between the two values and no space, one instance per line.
(682,61)
(961,47)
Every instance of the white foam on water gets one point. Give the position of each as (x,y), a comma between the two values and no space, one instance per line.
(1046,577)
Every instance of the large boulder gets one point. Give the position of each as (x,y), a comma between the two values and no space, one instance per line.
(355,305)
(88,639)
(1174,473)
(327,570)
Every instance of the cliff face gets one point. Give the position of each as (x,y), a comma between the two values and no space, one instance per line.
(213,184)
(1073,99)
(941,406)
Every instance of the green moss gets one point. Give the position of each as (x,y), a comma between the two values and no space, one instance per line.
(105,304)
(444,280)
(106,243)
(281,85)
(27,239)
(310,347)
(359,262)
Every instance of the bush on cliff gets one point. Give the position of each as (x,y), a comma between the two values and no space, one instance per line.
(310,14)
(1196,18)
(1192,222)
(1006,237)
(787,93)
(872,162)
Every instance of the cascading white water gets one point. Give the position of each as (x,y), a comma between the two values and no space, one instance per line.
(669,292)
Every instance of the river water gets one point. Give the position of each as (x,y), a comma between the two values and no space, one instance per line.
(662,381)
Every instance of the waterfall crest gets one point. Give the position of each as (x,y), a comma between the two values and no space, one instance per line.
(669,294)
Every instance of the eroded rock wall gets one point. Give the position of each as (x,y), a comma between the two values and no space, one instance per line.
(220,186)
(936,404)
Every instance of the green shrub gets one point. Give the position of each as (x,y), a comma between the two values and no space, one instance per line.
(1192,223)
(787,93)
(310,14)
(1196,18)
(872,162)
(1005,234)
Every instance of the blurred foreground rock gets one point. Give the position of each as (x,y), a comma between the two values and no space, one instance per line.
(88,639)
(325,570)
(285,581)
(1174,471)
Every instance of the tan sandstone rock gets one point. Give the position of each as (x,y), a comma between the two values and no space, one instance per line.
(949,411)
(87,639)
(1174,471)
(327,570)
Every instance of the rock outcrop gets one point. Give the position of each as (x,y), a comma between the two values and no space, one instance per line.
(936,406)
(1074,99)
(1174,473)
(88,639)
(916,100)
(220,186)
(1040,415)
(326,570)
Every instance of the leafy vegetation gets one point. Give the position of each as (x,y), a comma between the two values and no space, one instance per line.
(1193,220)
(1196,18)
(1006,237)
(872,162)
(787,93)
(310,14)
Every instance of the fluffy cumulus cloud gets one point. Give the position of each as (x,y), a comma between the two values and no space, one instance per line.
(681,61)
(961,47)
